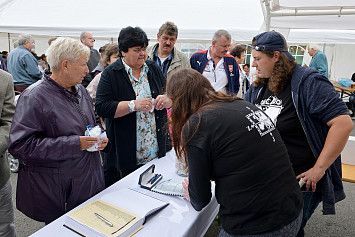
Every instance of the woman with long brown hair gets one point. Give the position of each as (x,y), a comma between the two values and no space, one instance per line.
(232,142)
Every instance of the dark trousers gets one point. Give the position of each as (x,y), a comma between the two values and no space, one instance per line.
(311,201)
(112,175)
(20,88)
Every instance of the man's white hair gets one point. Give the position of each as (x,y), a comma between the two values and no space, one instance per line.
(314,46)
(65,48)
(82,36)
(22,39)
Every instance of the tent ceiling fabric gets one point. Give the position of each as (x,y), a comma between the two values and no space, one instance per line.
(315,14)
(195,19)
(312,5)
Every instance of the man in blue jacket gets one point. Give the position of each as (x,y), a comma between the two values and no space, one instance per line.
(319,59)
(22,65)
(311,118)
(217,66)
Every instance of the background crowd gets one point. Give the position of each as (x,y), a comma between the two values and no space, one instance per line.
(217,113)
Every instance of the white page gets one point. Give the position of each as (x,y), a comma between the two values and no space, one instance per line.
(133,201)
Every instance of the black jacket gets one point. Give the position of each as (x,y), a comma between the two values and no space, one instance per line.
(115,86)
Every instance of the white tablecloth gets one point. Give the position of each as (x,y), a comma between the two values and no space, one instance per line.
(348,154)
(179,218)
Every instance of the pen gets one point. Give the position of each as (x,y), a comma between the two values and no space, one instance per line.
(75,231)
(152,179)
(103,219)
(123,226)
(155,178)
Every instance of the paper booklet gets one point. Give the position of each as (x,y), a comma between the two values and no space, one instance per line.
(120,213)
(169,187)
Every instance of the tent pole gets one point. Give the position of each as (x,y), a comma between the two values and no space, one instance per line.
(8,38)
(265,6)
(268,16)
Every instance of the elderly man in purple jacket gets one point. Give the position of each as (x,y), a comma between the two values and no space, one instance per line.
(57,173)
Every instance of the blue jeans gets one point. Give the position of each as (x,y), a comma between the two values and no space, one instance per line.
(311,201)
(352,101)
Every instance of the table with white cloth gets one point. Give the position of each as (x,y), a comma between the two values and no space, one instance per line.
(179,218)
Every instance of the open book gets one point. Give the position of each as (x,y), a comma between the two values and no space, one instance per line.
(120,213)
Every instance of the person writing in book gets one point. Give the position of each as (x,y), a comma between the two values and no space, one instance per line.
(130,96)
(257,191)
(47,135)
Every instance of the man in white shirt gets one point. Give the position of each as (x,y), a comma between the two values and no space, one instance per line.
(220,68)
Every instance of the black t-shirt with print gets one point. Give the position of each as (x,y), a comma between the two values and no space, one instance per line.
(237,145)
(282,112)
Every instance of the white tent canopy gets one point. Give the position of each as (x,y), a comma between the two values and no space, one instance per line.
(322,21)
(330,21)
(195,19)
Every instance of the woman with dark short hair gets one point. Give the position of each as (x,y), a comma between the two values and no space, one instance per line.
(232,142)
(130,96)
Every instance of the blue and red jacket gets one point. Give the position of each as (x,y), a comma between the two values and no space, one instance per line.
(199,62)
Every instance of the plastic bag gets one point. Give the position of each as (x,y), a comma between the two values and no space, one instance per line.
(346,82)
(95,132)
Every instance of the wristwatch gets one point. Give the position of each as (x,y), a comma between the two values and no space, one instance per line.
(131,106)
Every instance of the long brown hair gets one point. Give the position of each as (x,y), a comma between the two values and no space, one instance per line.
(190,93)
(280,75)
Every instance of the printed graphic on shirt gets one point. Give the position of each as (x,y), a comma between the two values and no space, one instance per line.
(272,106)
(208,68)
(261,122)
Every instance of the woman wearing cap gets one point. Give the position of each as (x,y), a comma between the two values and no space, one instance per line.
(311,118)
(257,191)
(47,135)
(128,91)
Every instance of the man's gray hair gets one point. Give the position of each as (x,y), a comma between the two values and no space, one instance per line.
(65,48)
(22,39)
(82,35)
(314,46)
(169,28)
(217,35)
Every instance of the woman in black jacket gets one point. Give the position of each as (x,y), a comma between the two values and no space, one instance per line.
(130,96)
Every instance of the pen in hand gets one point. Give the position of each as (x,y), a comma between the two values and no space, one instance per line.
(103,219)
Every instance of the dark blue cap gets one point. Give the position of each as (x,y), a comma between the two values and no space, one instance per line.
(272,41)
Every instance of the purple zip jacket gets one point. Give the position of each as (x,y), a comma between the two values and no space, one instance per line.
(55,175)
